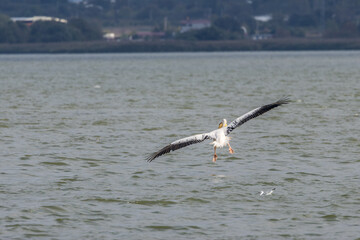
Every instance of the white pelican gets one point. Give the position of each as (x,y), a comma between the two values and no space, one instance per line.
(219,136)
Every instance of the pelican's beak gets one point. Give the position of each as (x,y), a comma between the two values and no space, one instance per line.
(223,123)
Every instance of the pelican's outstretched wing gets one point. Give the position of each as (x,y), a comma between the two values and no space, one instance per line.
(254,113)
(180,144)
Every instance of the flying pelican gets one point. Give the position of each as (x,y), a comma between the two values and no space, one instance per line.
(219,136)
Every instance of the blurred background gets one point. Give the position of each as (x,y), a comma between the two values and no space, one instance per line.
(33,21)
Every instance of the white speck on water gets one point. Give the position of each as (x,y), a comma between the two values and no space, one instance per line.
(267,193)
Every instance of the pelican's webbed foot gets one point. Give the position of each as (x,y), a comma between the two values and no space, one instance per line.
(231,150)
(214,158)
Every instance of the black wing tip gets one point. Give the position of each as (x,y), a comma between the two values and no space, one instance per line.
(154,155)
(150,158)
(283,100)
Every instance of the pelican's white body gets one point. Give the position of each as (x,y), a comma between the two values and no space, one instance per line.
(220,139)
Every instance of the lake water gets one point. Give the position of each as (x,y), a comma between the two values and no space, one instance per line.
(75,131)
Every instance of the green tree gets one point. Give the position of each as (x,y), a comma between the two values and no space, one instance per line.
(51,31)
(302,20)
(85,31)
(12,32)
(227,23)
(75,30)
(205,34)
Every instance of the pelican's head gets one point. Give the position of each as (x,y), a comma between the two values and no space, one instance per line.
(223,123)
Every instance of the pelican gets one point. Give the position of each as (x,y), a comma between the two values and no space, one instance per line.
(219,136)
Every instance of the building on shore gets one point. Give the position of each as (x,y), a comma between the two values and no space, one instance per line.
(30,20)
(196,24)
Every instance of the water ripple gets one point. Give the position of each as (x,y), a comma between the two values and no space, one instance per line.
(75,130)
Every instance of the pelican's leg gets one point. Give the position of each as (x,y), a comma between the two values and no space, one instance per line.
(215,156)
(230,149)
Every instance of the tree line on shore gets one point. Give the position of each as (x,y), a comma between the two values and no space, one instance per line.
(229,18)
(76,29)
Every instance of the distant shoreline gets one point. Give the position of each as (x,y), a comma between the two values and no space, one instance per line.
(182,46)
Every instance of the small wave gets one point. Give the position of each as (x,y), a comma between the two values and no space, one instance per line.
(151,203)
(198,200)
(330,217)
(104,200)
(54,209)
(152,129)
(55,163)
(166,227)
